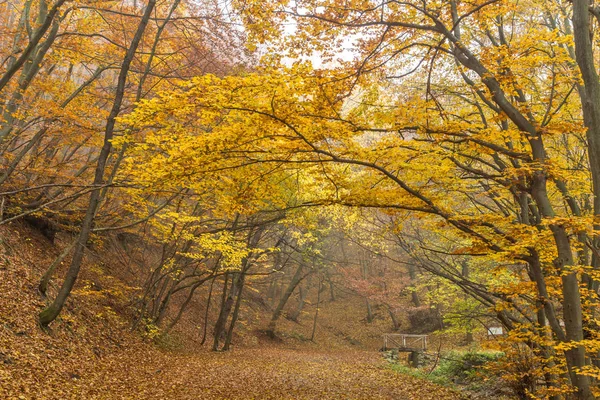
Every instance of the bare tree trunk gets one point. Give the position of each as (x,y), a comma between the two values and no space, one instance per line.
(271,291)
(237,284)
(465,272)
(162,309)
(157,296)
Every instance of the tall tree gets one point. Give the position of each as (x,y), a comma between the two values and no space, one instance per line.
(51,312)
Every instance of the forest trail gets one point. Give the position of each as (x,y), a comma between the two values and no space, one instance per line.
(270,373)
(91,354)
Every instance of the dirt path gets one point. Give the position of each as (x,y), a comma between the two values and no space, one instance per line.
(90,354)
(137,371)
(257,374)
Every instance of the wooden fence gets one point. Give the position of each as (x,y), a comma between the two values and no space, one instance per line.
(404,342)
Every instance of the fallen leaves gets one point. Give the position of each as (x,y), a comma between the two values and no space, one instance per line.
(88,357)
(271,373)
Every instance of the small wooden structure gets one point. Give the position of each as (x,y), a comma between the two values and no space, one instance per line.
(404,342)
(416,345)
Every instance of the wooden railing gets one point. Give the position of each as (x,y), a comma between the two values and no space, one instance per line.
(404,342)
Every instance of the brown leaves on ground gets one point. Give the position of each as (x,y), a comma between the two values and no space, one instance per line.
(288,374)
(90,353)
(271,373)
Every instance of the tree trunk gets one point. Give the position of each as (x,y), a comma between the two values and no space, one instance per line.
(204,329)
(331,288)
(570,285)
(412,273)
(50,313)
(237,283)
(235,314)
(395,323)
(314,329)
(301,301)
(590,100)
(469,337)
(33,43)
(369,311)
(271,291)
(43,285)
(284,299)
(220,323)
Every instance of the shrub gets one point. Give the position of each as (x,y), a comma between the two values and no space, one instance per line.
(465,368)
(424,320)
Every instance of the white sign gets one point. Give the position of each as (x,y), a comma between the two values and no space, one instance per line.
(495,331)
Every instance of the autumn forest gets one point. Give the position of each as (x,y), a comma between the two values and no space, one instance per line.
(300,199)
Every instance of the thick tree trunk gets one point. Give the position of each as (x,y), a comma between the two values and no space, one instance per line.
(590,100)
(237,282)
(570,285)
(236,312)
(220,323)
(590,93)
(572,310)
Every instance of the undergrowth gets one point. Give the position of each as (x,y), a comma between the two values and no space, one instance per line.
(459,370)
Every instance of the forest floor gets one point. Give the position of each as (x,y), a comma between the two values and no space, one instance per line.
(90,352)
(272,373)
